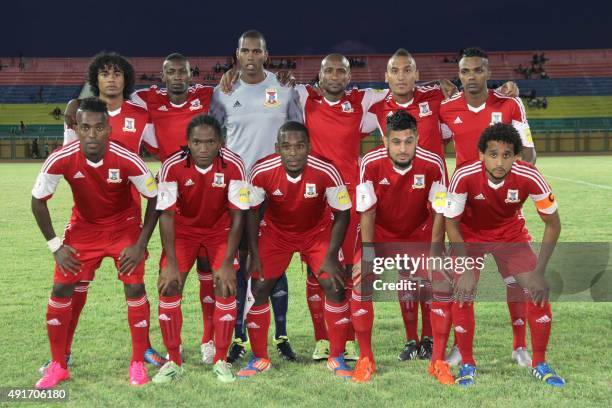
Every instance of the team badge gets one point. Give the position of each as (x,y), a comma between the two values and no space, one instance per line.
(219,180)
(513,196)
(195,105)
(496,117)
(129,125)
(271,98)
(424,109)
(114,176)
(419,181)
(311,190)
(346,107)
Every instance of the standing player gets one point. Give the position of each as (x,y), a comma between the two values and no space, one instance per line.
(465,116)
(252,115)
(202,193)
(297,190)
(111,78)
(171,108)
(485,199)
(399,169)
(105,223)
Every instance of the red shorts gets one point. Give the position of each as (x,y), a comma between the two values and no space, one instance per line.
(93,244)
(191,244)
(276,250)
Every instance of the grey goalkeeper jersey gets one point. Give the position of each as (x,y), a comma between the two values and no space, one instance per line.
(252,115)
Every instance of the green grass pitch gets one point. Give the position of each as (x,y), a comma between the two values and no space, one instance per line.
(579,347)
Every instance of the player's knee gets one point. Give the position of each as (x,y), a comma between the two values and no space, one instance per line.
(172,289)
(61,290)
(134,290)
(261,291)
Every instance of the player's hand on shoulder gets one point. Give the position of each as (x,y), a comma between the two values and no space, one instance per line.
(129,258)
(66,258)
(224,279)
(70,113)
(228,80)
(448,88)
(285,78)
(509,88)
(169,279)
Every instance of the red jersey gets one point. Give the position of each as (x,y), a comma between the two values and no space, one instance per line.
(130,126)
(101,190)
(202,197)
(403,198)
(171,120)
(424,107)
(335,127)
(465,123)
(298,205)
(493,211)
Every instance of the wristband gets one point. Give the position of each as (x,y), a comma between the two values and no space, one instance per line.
(54,244)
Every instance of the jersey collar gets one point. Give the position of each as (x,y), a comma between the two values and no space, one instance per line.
(203,171)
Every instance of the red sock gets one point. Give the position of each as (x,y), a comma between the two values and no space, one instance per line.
(362,316)
(425,298)
(348,291)
(59,312)
(441,319)
(463,320)
(258,323)
(171,323)
(139,315)
(517,305)
(540,322)
(315,297)
(410,315)
(79,298)
(337,318)
(207,300)
(224,318)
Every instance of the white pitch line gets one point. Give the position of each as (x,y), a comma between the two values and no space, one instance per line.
(581,182)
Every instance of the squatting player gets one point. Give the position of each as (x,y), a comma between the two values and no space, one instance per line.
(105,222)
(485,198)
(401,198)
(298,190)
(202,192)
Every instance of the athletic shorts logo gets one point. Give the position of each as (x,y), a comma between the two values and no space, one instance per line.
(496,117)
(219,180)
(311,190)
(271,100)
(129,125)
(419,181)
(195,105)
(114,176)
(513,197)
(424,109)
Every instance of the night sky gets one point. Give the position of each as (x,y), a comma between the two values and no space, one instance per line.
(138,28)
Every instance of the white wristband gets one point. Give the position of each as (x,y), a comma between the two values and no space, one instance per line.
(54,244)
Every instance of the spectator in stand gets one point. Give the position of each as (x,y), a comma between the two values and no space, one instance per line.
(46,150)
(34,150)
(196,71)
(56,112)
(22,127)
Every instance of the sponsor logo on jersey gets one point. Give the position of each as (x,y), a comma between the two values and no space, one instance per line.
(271,100)
(237,104)
(78,174)
(458,121)
(311,190)
(384,182)
(512,196)
(346,107)
(479,197)
(195,105)
(219,180)
(129,125)
(424,109)
(189,182)
(277,192)
(114,176)
(163,108)
(496,117)
(419,181)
